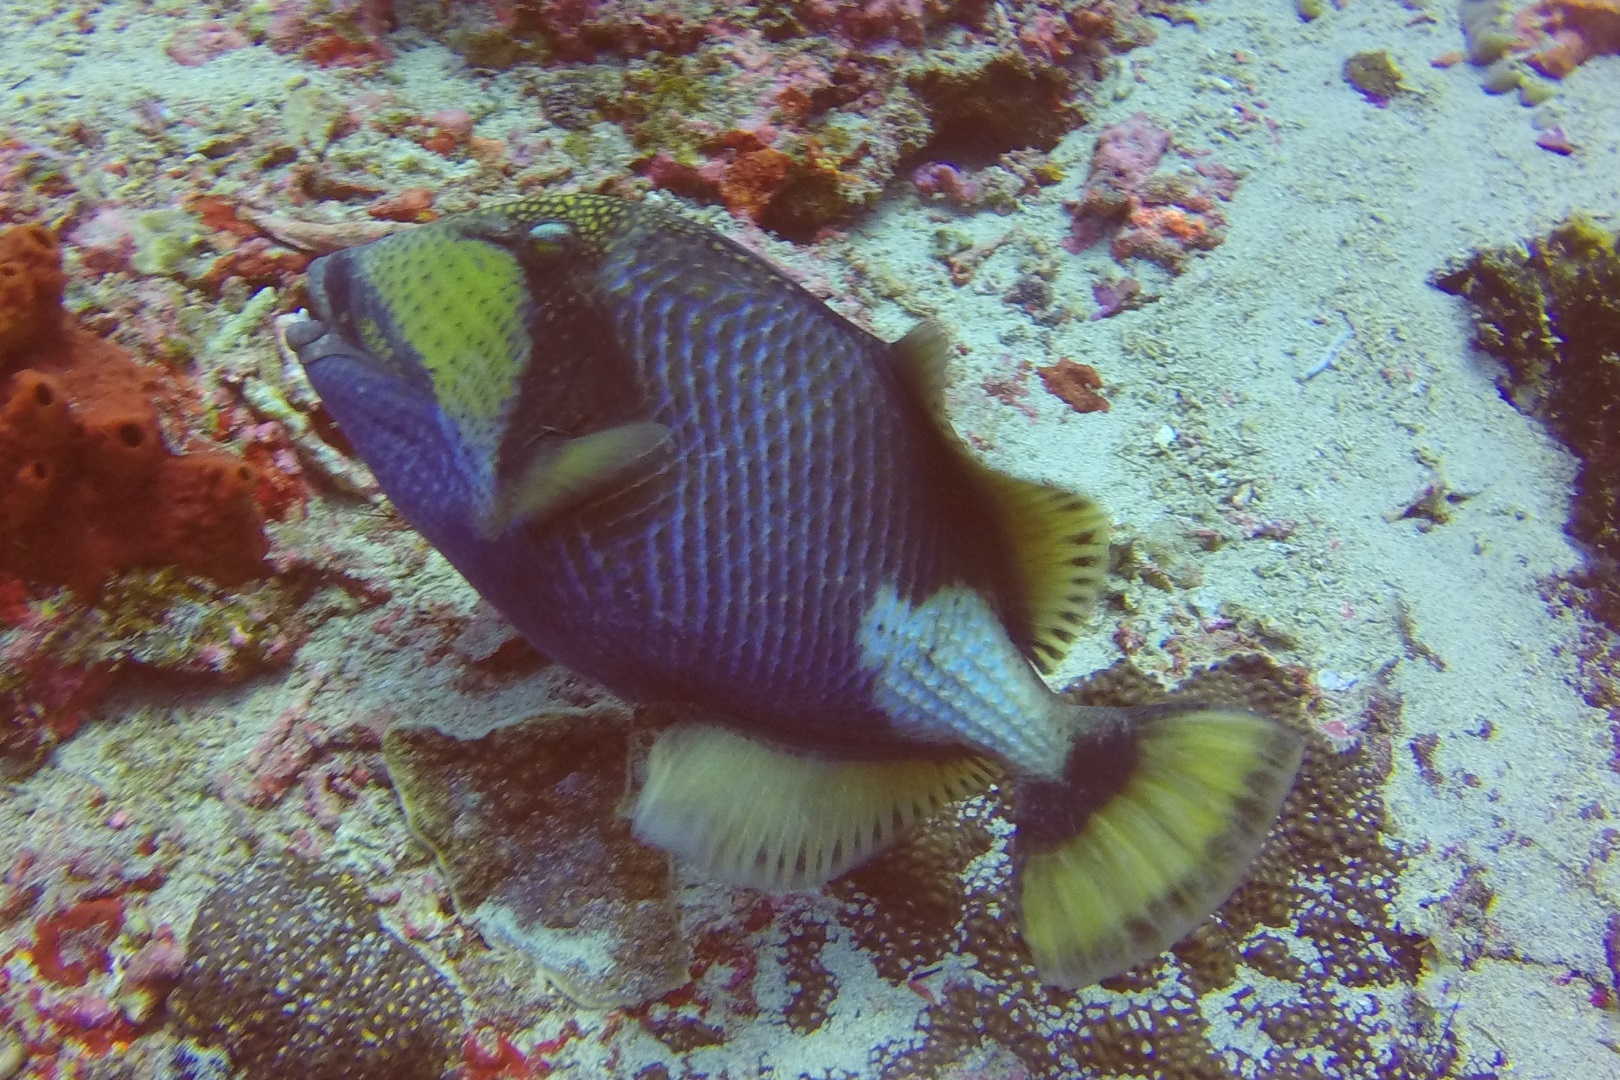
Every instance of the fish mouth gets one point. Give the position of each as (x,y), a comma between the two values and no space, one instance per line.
(302,333)
(313,341)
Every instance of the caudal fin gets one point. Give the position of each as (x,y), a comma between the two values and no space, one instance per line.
(1152,826)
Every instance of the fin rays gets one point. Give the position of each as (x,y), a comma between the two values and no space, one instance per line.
(1059,539)
(757,815)
(567,472)
(1161,854)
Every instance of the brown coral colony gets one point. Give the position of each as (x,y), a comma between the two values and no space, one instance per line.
(88,488)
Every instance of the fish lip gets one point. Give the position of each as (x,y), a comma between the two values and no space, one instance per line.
(305,335)
(315,289)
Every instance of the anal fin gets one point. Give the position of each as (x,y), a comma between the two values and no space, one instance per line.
(753,814)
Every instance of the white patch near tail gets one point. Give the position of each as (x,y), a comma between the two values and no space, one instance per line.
(947,672)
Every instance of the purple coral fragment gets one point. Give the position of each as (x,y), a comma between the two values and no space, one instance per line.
(1113,296)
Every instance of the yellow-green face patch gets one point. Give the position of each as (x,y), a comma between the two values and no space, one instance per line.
(459,304)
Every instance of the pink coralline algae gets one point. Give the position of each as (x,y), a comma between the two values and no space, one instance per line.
(906,21)
(1125,156)
(1115,296)
(797,115)
(331,33)
(71,944)
(105,240)
(44,697)
(1158,216)
(938,178)
(579,29)
(202,42)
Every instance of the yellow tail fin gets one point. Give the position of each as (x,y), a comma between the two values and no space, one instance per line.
(1153,825)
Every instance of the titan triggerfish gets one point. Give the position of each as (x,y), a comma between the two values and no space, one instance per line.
(682,475)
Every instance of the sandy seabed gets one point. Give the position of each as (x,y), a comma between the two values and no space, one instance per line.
(1345,211)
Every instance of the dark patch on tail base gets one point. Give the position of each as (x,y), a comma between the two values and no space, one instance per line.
(1051,811)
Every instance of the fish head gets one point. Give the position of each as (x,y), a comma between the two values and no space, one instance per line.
(482,323)
(440,309)
(451,306)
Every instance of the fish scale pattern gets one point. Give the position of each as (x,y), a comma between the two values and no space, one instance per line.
(801,477)
(792,496)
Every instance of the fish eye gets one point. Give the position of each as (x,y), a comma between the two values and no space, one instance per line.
(550,236)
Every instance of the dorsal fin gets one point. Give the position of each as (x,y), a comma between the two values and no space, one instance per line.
(926,350)
(1061,542)
(1059,538)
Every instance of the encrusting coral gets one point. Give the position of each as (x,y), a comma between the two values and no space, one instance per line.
(87,487)
(1312,925)
(1304,971)
(523,822)
(1549,310)
(290,968)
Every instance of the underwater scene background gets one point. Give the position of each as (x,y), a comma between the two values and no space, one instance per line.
(1320,301)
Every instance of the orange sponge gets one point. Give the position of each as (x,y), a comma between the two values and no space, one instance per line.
(30,288)
(87,487)
(1564,34)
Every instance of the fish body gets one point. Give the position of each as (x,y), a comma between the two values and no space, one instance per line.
(682,475)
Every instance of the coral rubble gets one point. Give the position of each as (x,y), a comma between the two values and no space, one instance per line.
(796,115)
(1561,35)
(291,969)
(1549,310)
(1374,75)
(1078,385)
(62,651)
(1164,217)
(1512,45)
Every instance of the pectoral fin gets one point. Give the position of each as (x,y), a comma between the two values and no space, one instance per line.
(565,472)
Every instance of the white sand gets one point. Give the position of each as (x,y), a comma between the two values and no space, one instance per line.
(1344,219)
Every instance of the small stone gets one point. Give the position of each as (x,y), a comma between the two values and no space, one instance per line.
(1335,681)
(1375,75)
(1555,140)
